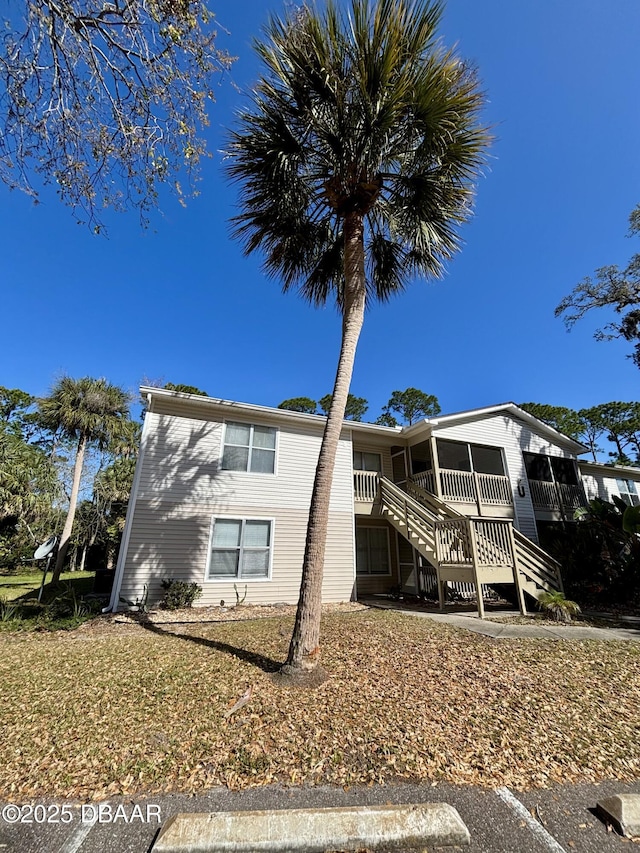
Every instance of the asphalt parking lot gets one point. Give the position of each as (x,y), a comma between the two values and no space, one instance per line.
(554,819)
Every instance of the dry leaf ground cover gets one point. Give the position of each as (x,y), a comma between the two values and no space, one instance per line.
(120,709)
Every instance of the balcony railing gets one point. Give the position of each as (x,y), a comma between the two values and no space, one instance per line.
(365,485)
(556,497)
(458,538)
(467,487)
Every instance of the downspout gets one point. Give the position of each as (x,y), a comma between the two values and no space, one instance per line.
(112,607)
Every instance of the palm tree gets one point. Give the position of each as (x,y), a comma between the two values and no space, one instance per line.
(357,159)
(90,412)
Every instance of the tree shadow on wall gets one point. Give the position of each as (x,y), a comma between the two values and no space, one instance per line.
(178,490)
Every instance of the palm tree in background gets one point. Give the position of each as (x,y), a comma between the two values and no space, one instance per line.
(357,159)
(90,412)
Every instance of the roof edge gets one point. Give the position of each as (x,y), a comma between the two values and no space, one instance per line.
(511,407)
(283,414)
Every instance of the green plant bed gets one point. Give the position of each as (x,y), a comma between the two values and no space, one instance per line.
(63,605)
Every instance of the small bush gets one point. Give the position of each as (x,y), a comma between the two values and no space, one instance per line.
(9,610)
(179,594)
(557,606)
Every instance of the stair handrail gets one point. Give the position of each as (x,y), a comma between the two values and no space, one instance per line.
(430,500)
(547,569)
(405,501)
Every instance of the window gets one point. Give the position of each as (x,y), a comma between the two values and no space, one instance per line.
(538,467)
(366,461)
(456,456)
(249,448)
(487,460)
(240,548)
(551,469)
(453,455)
(628,492)
(372,551)
(564,471)
(421,458)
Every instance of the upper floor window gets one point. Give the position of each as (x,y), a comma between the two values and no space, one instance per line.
(551,469)
(628,492)
(363,461)
(456,456)
(248,447)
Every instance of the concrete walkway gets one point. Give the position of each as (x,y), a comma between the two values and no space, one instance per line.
(505,630)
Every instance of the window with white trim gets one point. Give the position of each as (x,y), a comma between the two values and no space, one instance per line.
(249,447)
(364,461)
(628,492)
(240,548)
(372,551)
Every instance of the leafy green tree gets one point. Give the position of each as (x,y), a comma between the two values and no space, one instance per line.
(299,404)
(601,554)
(14,403)
(616,420)
(357,158)
(592,430)
(411,405)
(614,288)
(354,410)
(105,100)
(90,412)
(28,492)
(28,482)
(185,389)
(565,420)
(105,514)
(386,419)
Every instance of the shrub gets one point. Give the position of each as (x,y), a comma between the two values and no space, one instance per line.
(179,594)
(9,610)
(557,606)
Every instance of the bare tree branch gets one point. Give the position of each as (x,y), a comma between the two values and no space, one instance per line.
(105,99)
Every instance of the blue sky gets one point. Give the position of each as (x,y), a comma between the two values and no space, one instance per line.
(180,303)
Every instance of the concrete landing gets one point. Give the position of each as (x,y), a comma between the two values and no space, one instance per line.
(505,631)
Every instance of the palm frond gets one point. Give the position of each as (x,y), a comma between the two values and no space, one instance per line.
(360,112)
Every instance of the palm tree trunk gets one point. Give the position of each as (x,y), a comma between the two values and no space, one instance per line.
(304,649)
(73,502)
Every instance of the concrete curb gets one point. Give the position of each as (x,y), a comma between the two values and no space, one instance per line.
(623,812)
(314,830)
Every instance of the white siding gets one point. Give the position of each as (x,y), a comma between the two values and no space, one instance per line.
(182,464)
(172,541)
(602,483)
(515,437)
(182,488)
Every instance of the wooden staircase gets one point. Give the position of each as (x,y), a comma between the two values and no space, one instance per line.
(476,550)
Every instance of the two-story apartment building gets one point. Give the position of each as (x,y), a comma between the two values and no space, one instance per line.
(222,491)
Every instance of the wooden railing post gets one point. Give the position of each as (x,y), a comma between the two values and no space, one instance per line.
(475,561)
(476,486)
(435,467)
(516,573)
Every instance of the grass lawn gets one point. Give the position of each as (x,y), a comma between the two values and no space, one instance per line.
(16,586)
(117,708)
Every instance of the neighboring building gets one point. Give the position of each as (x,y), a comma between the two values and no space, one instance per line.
(222,491)
(607,481)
